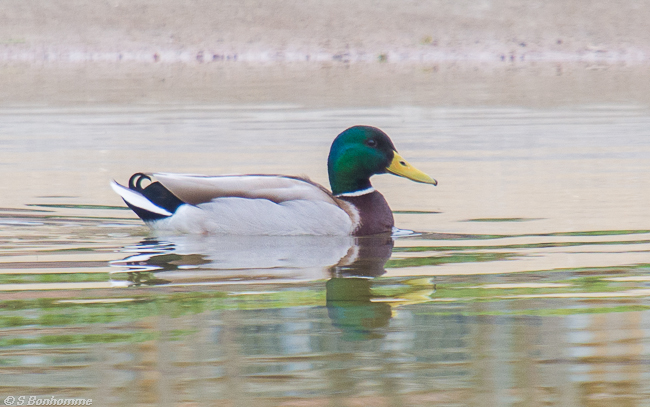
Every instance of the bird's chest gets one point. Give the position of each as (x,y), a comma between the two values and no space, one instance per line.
(375,215)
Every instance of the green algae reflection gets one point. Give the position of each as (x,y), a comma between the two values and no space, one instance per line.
(62,321)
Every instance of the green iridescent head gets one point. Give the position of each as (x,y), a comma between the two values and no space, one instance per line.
(361,152)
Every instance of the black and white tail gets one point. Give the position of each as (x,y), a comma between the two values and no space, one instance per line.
(151,203)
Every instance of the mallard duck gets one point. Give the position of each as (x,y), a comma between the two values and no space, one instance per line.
(278,204)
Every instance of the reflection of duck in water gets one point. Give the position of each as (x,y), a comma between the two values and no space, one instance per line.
(276,204)
(188,259)
(351,309)
(349,296)
(196,259)
(350,263)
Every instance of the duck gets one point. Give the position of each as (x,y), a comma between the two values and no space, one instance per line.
(266,204)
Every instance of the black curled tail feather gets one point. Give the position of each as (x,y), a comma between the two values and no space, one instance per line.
(135,182)
(156,193)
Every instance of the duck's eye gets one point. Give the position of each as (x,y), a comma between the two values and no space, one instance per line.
(371,142)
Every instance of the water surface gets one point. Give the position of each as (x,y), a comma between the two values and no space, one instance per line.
(526,283)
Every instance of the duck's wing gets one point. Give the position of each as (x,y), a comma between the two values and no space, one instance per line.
(237,204)
(198,189)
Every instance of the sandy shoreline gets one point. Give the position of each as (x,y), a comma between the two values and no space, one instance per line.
(316,53)
(321,86)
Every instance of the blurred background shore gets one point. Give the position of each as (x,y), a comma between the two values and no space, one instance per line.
(311,53)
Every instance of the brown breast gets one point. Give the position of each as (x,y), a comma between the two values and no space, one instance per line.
(374,213)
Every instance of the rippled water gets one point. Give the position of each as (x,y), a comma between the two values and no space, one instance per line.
(527,283)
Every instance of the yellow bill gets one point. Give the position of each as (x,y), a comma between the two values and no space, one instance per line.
(401,167)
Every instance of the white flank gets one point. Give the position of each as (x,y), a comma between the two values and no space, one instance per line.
(358,193)
(242,216)
(138,200)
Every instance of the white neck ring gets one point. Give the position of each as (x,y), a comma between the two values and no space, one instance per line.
(358,193)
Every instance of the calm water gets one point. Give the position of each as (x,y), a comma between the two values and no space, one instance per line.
(528,282)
